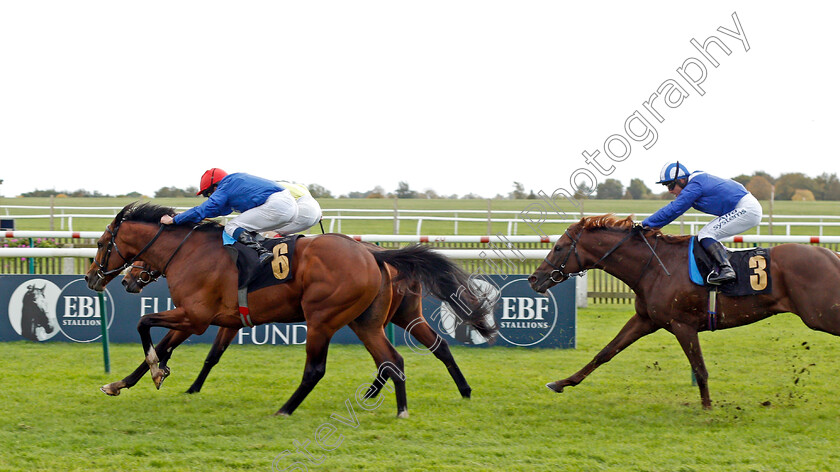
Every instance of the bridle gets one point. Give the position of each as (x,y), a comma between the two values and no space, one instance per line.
(146,275)
(558,270)
(101,272)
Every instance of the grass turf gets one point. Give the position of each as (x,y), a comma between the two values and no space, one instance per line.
(774,408)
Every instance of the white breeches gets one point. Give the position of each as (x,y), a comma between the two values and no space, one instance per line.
(745,216)
(280,213)
(279,209)
(309,214)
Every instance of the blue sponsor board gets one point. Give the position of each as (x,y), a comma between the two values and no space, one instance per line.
(62,308)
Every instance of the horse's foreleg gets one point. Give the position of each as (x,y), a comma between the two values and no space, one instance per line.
(421,331)
(173,319)
(317,345)
(164,350)
(634,329)
(690,343)
(223,339)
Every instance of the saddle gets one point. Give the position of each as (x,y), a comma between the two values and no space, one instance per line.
(752,269)
(253,276)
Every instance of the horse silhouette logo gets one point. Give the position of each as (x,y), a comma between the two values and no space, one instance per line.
(32,310)
(447,321)
(34,313)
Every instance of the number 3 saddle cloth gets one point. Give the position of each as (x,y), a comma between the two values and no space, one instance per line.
(752,269)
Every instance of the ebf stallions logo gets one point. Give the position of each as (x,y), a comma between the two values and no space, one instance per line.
(39,309)
(524,317)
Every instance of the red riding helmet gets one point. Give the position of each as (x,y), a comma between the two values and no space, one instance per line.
(210,177)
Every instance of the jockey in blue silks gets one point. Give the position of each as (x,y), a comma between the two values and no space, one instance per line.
(737,210)
(264,205)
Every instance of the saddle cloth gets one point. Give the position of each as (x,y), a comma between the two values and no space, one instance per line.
(752,270)
(254,276)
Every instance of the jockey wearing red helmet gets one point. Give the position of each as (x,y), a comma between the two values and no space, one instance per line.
(263,205)
(210,178)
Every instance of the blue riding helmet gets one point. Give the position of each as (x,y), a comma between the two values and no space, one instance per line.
(672,171)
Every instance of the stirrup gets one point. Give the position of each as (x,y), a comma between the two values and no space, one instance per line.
(265,257)
(717,278)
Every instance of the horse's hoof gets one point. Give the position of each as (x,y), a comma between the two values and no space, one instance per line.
(282,413)
(159,375)
(109,390)
(553,387)
(402,414)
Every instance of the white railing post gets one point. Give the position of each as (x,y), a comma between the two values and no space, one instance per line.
(581,291)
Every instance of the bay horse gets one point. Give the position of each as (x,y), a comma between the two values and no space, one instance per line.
(406,311)
(335,282)
(805,281)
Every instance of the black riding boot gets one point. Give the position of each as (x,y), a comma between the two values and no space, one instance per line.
(721,257)
(249,239)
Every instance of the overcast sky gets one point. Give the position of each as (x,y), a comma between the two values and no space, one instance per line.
(457,96)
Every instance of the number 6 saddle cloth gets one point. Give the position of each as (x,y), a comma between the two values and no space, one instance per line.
(254,276)
(752,270)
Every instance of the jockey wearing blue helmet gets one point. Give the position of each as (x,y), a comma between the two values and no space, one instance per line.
(736,210)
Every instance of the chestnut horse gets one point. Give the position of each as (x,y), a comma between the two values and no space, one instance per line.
(406,311)
(335,282)
(805,281)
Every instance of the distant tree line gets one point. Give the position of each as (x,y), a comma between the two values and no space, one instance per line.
(790,186)
(163,192)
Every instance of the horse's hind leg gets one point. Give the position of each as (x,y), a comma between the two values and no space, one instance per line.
(164,350)
(223,339)
(389,364)
(317,345)
(421,331)
(634,329)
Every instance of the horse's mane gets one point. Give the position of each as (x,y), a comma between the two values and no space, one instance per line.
(150,213)
(610,221)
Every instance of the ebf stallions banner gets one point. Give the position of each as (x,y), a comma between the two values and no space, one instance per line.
(62,308)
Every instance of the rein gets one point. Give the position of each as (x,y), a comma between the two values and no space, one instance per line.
(580,273)
(112,245)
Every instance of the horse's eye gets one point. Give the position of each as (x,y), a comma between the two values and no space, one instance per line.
(557,248)
(99,245)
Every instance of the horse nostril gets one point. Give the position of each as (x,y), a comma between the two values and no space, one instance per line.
(532,279)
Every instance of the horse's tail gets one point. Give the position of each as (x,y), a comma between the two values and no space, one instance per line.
(445,281)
